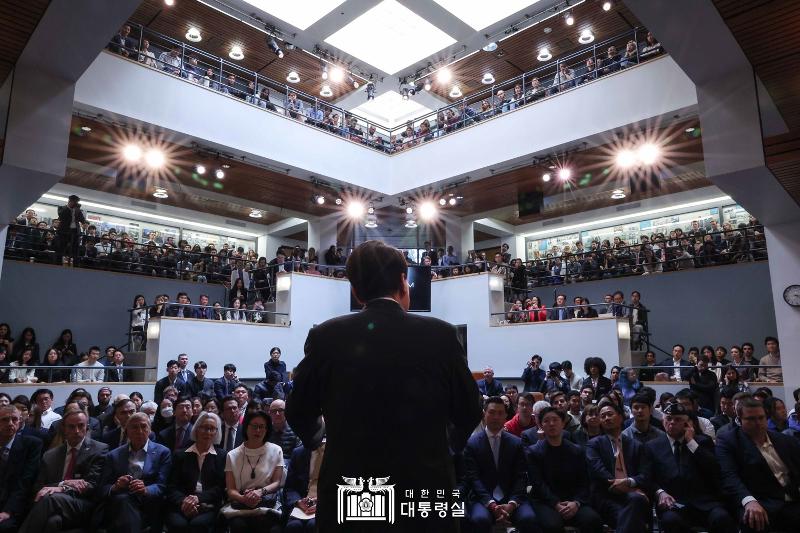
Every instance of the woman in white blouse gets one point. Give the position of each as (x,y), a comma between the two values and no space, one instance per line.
(139,317)
(20,371)
(253,475)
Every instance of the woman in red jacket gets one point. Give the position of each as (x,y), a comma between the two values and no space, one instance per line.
(538,312)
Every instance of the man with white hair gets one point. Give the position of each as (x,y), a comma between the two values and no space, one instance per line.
(19,466)
(488,386)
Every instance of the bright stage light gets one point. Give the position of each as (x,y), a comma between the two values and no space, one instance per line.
(355,209)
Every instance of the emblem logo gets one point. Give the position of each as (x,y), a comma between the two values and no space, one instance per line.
(355,502)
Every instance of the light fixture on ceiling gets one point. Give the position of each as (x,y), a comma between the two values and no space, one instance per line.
(606,6)
(649,153)
(324,71)
(371,209)
(170,3)
(339,201)
(200,169)
(132,153)
(427,211)
(193,34)
(293,77)
(226,166)
(491,47)
(219,174)
(564,173)
(160,193)
(256,213)
(273,45)
(154,158)
(444,75)
(544,54)
(427,85)
(319,199)
(455,92)
(454,200)
(404,93)
(409,210)
(355,209)
(626,158)
(488,79)
(371,222)
(586,36)
(352,81)
(411,223)
(442,202)
(86,129)
(569,19)
(326,91)
(687,130)
(236,53)
(617,194)
(546,177)
(337,74)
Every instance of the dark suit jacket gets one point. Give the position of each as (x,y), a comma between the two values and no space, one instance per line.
(167,438)
(603,386)
(495,388)
(112,436)
(237,440)
(531,436)
(64,212)
(297,477)
(600,458)
(343,359)
(696,483)
(280,368)
(745,471)
(185,474)
(154,474)
(481,475)
(553,312)
(686,368)
(113,376)
(189,376)
(206,312)
(220,388)
(198,388)
(88,466)
(163,383)
(20,473)
(557,474)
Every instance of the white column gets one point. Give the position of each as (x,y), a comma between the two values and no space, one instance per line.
(467,238)
(313,232)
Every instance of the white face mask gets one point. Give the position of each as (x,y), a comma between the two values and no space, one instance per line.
(166,412)
(151,417)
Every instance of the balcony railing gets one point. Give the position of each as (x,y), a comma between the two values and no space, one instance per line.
(585,65)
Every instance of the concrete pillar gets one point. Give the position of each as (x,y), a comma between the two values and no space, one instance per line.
(313,232)
(467,238)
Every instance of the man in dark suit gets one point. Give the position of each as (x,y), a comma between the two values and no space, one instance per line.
(116,369)
(558,478)
(684,475)
(680,367)
(68,477)
(177,436)
(617,473)
(19,466)
(170,380)
(559,311)
(488,386)
(299,491)
(760,471)
(225,385)
(70,219)
(205,311)
(200,385)
(124,408)
(232,431)
(494,475)
(390,436)
(184,374)
(134,481)
(181,308)
(726,410)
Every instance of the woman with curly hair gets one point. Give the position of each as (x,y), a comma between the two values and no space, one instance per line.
(595,369)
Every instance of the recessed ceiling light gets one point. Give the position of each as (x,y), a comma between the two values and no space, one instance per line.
(200,169)
(546,177)
(319,199)
(488,79)
(160,193)
(689,130)
(236,53)
(649,153)
(169,2)
(154,158)
(453,201)
(586,37)
(225,166)
(409,210)
(474,12)
(336,74)
(444,75)
(293,77)
(372,222)
(86,129)
(427,210)
(548,29)
(617,194)
(132,153)
(411,223)
(544,55)
(219,174)
(326,91)
(455,92)
(626,158)
(569,19)
(355,209)
(255,213)
(606,6)
(491,47)
(564,174)
(427,85)
(193,34)
(339,201)
(299,13)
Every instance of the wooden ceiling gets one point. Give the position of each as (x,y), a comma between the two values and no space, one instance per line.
(769,33)
(220,32)
(254,185)
(517,54)
(18,19)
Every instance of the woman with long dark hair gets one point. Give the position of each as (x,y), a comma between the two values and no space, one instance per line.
(6,339)
(139,316)
(238,291)
(52,358)
(66,345)
(27,340)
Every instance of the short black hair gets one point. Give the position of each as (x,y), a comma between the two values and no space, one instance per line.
(727,392)
(536,356)
(200,364)
(566,365)
(606,401)
(650,392)
(37,392)
(683,349)
(94,349)
(248,417)
(172,362)
(748,343)
(572,393)
(641,398)
(494,399)
(374,270)
(229,366)
(773,339)
(550,409)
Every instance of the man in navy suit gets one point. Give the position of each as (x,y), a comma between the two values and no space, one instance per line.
(124,408)
(200,385)
(617,473)
(170,380)
(494,474)
(488,386)
(224,386)
(680,367)
(19,466)
(760,471)
(185,375)
(134,481)
(299,491)
(558,478)
(178,436)
(684,473)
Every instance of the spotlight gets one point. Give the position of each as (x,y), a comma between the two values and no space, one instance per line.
(226,166)
(371,209)
(409,210)
(255,213)
(648,153)
(442,202)
(273,45)
(87,129)
(236,53)
(586,37)
(132,153)
(427,210)
(338,201)
(370,91)
(491,47)
(453,201)
(606,6)
(569,19)
(169,2)
(626,159)
(427,85)
(324,72)
(546,177)
(355,209)
(455,92)
(352,81)
(564,174)
(404,93)
(319,199)
(219,174)
(488,79)
(687,130)
(372,222)
(411,223)
(617,194)
(154,158)
(544,55)
(444,75)
(200,169)
(160,193)
(326,91)
(293,77)
(193,34)
(337,74)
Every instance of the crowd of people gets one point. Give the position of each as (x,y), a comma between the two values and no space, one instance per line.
(171,58)
(202,454)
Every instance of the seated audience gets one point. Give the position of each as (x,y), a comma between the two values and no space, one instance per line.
(21,370)
(170,380)
(281,434)
(232,431)
(680,367)
(300,490)
(200,385)
(595,379)
(523,419)
(488,386)
(225,385)
(703,382)
(178,436)
(91,370)
(19,467)
(643,429)
(773,357)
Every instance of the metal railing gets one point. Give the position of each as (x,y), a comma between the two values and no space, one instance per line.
(669,370)
(221,75)
(60,373)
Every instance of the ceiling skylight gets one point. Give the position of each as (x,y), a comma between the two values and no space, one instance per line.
(390,37)
(299,13)
(479,14)
(389,109)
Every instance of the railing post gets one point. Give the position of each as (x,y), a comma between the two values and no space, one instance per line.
(141,38)
(183,60)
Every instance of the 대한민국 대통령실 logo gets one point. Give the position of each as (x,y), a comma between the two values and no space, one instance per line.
(375,502)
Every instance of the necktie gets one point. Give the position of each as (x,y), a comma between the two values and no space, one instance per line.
(497,493)
(73,455)
(229,439)
(677,450)
(179,432)
(4,461)
(313,476)
(619,466)
(119,374)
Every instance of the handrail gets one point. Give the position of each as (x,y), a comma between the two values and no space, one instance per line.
(72,367)
(212,307)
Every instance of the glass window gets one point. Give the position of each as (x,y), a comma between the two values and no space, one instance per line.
(139,231)
(735,214)
(205,239)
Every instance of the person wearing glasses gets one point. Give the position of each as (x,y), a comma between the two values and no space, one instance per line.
(282,434)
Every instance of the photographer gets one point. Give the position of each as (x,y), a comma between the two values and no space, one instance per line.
(71,219)
(554,381)
(533,376)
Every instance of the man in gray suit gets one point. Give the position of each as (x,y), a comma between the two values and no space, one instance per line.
(67,478)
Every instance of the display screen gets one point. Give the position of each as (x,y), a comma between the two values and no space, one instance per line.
(419,281)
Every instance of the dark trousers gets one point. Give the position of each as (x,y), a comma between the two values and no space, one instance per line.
(295,525)
(481,520)
(9,525)
(128,513)
(627,513)
(202,523)
(717,520)
(785,519)
(68,242)
(586,519)
(56,512)
(261,523)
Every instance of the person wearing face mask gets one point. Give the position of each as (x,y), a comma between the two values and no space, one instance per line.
(164,415)
(150,409)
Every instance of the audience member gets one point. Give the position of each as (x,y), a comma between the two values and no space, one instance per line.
(19,466)
(488,386)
